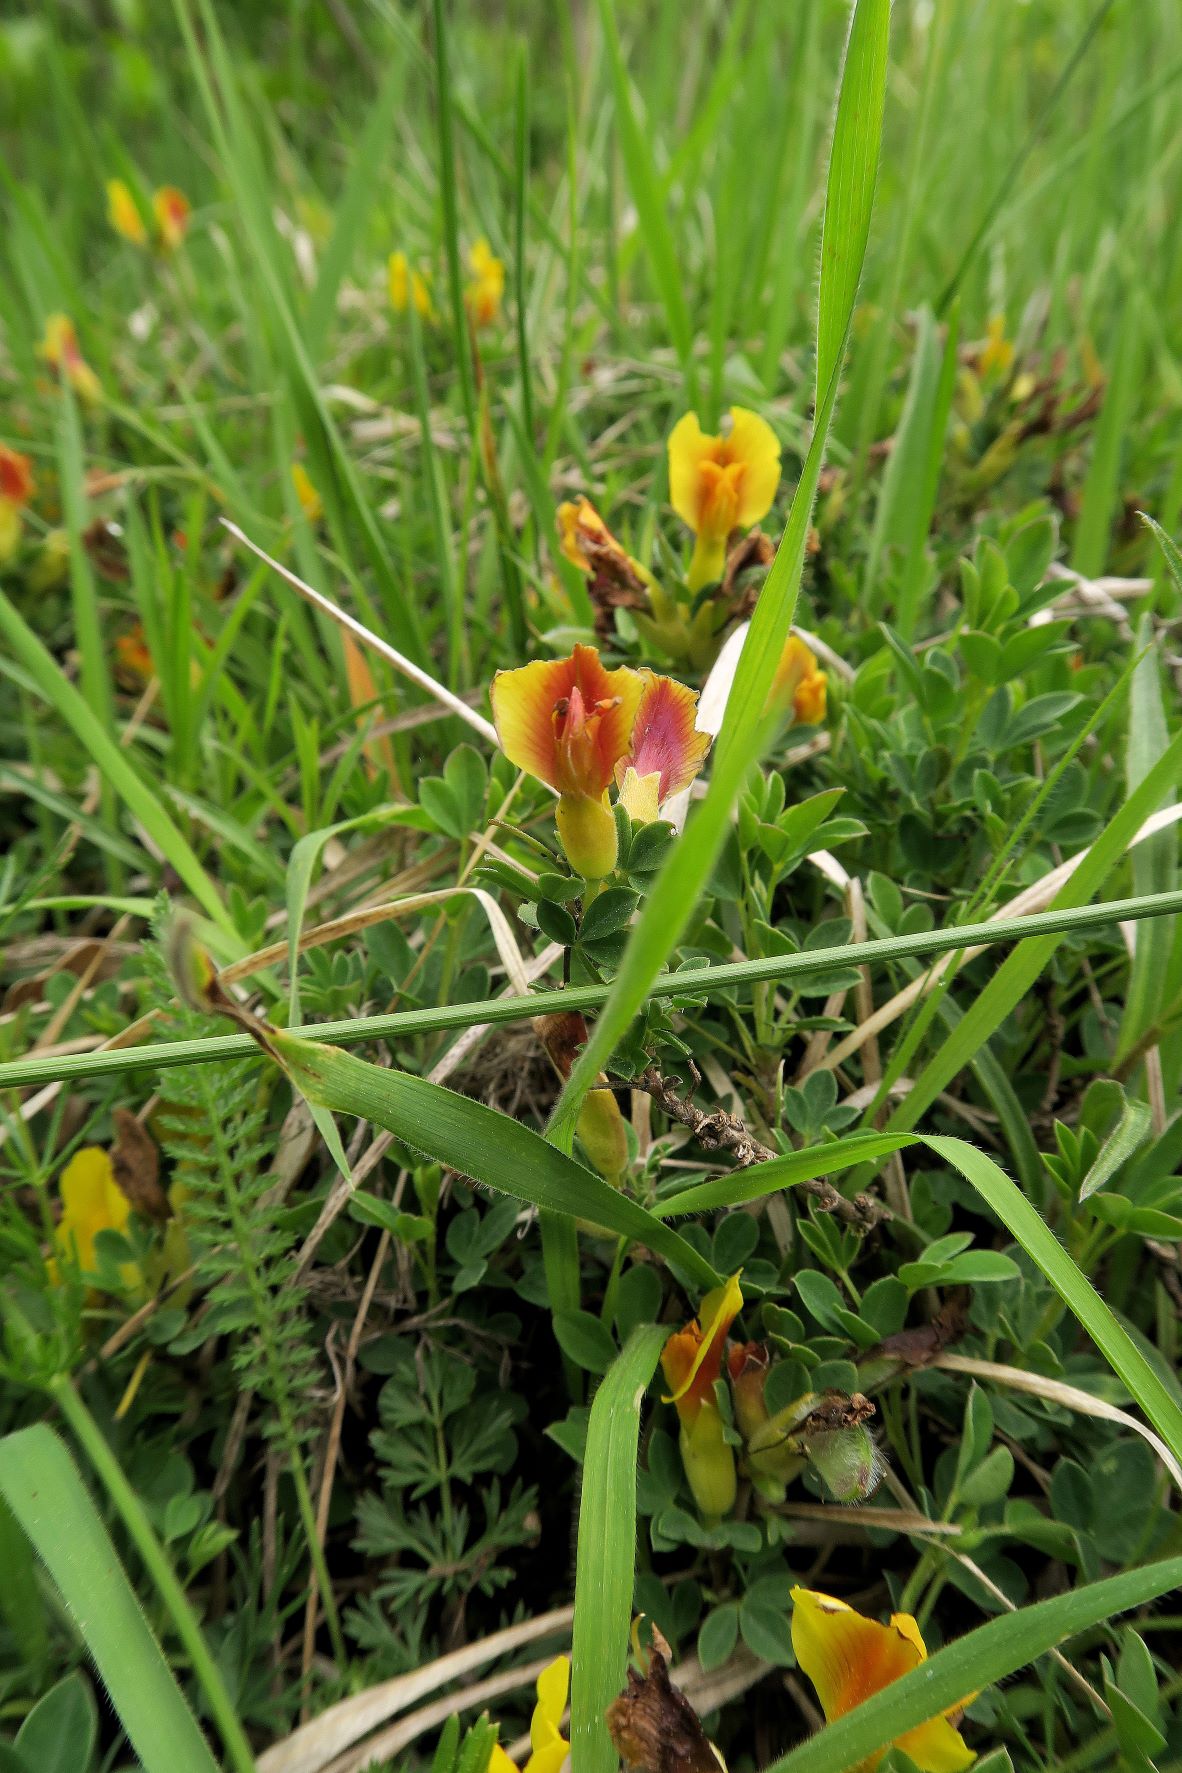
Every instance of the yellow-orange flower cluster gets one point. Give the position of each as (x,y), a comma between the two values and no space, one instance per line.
(92,1201)
(848,1658)
(487,289)
(406,286)
(170,216)
(582,728)
(59,348)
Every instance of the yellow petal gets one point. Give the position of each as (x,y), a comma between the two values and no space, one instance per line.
(10,532)
(720,1308)
(846,1656)
(640,796)
(171,209)
(689,447)
(936,1747)
(754,444)
(548,1759)
(499,1762)
(553,1690)
(123,213)
(311,504)
(398,277)
(92,1201)
(533,710)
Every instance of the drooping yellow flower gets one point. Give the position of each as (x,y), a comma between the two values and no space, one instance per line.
(60,350)
(407,286)
(16,489)
(123,213)
(487,288)
(799,682)
(577,726)
(691,1361)
(311,504)
(92,1201)
(172,209)
(848,1658)
(721,483)
(548,1747)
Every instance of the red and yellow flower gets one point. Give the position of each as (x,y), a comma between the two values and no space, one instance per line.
(170,215)
(848,1658)
(691,1361)
(407,286)
(798,682)
(548,1747)
(721,483)
(16,489)
(487,288)
(59,348)
(580,727)
(171,210)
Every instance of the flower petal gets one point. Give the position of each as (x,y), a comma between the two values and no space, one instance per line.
(936,1747)
(640,796)
(171,209)
(529,708)
(753,443)
(846,1656)
(553,1690)
(499,1762)
(16,476)
(719,1309)
(689,447)
(664,737)
(123,213)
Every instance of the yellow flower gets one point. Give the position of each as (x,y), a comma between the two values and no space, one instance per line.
(848,1658)
(16,489)
(123,213)
(171,209)
(691,1361)
(717,484)
(548,1747)
(60,350)
(799,682)
(487,287)
(92,1201)
(997,352)
(311,504)
(579,727)
(407,286)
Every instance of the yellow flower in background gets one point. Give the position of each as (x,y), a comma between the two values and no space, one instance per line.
(691,1361)
(92,1201)
(997,352)
(799,682)
(848,1658)
(548,1747)
(123,213)
(721,483)
(407,286)
(16,489)
(60,350)
(172,210)
(311,504)
(487,288)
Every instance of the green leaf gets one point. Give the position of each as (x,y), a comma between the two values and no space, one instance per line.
(42,1487)
(606,1554)
(1128,1136)
(972,1663)
(59,1734)
(585,1340)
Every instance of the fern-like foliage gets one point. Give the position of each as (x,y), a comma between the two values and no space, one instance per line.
(214,1127)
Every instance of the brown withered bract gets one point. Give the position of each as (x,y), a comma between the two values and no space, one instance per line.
(135,1162)
(653,1725)
(916,1347)
(563,1035)
(751,551)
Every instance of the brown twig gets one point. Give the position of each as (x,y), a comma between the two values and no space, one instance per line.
(720,1131)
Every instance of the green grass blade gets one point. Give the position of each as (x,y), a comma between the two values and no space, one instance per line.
(38,1069)
(477,1141)
(978,1660)
(853,170)
(605,1569)
(41,1485)
(1100,497)
(113,764)
(1155,862)
(673,898)
(649,198)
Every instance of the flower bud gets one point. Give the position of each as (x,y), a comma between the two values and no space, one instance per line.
(604,1135)
(709,1463)
(587,831)
(847,1461)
